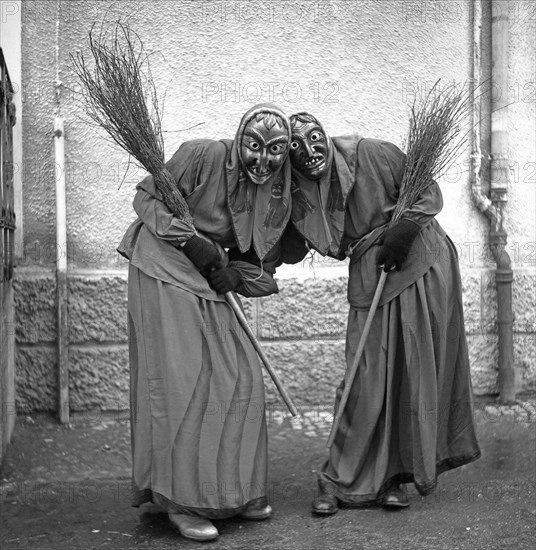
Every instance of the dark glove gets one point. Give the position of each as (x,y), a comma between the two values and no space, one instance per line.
(203,254)
(396,244)
(225,279)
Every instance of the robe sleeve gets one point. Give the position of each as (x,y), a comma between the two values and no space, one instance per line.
(159,220)
(386,162)
(426,207)
(257,278)
(191,165)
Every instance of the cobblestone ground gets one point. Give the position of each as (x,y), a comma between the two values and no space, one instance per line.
(68,488)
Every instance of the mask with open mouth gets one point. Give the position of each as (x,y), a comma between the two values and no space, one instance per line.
(309,147)
(321,182)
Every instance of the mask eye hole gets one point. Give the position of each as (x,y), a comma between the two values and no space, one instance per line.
(315,136)
(254,145)
(294,145)
(276,149)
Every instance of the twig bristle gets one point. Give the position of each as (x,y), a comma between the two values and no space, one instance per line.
(117,90)
(434,140)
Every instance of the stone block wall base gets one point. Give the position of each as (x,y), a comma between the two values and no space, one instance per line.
(302,330)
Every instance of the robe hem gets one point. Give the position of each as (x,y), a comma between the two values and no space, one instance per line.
(142,496)
(403,477)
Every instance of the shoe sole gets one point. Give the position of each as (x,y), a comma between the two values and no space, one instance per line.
(256,518)
(395,506)
(193,537)
(199,539)
(259,515)
(325,512)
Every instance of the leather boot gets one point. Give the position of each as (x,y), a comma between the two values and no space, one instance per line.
(325,504)
(257,513)
(395,498)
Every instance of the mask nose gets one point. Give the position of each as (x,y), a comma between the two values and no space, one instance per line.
(309,149)
(263,161)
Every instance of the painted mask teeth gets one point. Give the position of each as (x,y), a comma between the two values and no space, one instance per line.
(313,162)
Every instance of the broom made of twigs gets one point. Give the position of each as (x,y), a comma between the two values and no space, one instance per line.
(434,140)
(116,100)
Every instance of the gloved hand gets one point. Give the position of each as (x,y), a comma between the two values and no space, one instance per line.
(204,255)
(396,244)
(225,279)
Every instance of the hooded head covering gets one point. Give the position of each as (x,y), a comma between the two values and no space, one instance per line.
(259,213)
(318,205)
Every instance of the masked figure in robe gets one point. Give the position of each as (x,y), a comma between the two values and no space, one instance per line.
(409,416)
(197,397)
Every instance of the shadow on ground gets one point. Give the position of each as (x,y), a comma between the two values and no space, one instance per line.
(69,488)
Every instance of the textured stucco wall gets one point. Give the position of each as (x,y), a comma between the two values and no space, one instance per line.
(522,130)
(357,65)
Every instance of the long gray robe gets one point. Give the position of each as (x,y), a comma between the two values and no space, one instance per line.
(197,397)
(409,416)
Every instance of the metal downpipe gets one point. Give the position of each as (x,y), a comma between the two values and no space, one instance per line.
(494,207)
